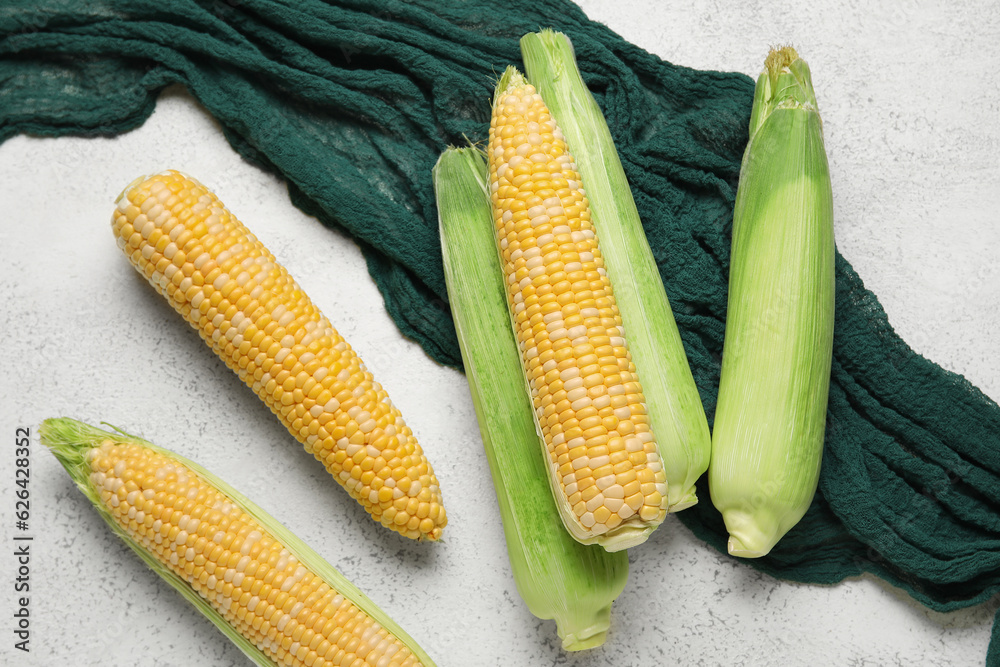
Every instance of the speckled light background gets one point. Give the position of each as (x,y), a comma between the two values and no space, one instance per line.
(910,97)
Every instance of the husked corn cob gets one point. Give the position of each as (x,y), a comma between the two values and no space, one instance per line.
(605,469)
(273,596)
(248,309)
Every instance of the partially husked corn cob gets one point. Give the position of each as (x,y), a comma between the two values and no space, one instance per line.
(556,576)
(771,414)
(673,403)
(260,585)
(251,312)
(606,472)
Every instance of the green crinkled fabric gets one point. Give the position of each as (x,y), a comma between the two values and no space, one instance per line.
(351,103)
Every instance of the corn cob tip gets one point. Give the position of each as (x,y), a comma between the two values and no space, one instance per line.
(676,504)
(590,637)
(552,56)
(50,428)
(52,434)
(511,79)
(736,548)
(124,193)
(750,536)
(780,58)
(785,83)
(56,431)
(69,440)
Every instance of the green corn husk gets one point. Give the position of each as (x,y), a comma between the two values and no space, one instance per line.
(771,413)
(70,440)
(557,577)
(676,415)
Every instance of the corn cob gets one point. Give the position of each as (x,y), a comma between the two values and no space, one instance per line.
(556,576)
(260,585)
(605,470)
(251,312)
(676,415)
(771,414)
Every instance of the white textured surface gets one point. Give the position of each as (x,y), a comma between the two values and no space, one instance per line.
(911,105)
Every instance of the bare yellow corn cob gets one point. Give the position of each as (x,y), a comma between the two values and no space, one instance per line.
(606,472)
(227,285)
(272,595)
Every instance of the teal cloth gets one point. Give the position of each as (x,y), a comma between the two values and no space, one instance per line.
(351,103)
